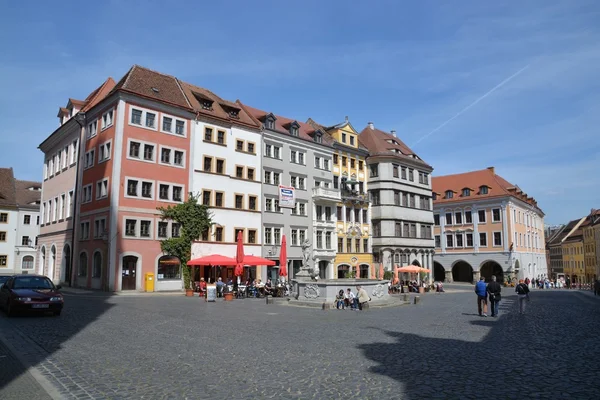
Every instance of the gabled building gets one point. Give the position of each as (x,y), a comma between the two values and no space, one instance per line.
(298,158)
(401,205)
(354,251)
(19,223)
(225,168)
(484,226)
(554,246)
(62,152)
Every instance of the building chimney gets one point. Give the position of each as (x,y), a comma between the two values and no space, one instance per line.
(371,126)
(393,132)
(492,169)
(346,118)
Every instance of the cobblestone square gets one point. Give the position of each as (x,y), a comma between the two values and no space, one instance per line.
(171,347)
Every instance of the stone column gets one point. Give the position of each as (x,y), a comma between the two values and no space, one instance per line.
(330,270)
(448,276)
(430,267)
(476,276)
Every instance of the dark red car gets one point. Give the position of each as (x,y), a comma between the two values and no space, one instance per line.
(30,293)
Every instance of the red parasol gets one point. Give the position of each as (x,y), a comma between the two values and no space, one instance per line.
(214,259)
(254,260)
(283,257)
(239,255)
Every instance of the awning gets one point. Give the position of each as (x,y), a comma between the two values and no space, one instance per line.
(254,260)
(213,259)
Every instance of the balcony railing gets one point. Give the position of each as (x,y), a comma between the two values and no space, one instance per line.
(326,194)
(354,195)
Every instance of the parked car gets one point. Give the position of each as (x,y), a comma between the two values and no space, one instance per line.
(30,293)
(4,278)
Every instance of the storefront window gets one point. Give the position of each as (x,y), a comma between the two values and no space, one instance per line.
(169,268)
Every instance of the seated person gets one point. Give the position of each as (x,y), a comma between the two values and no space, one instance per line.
(202,286)
(220,286)
(268,287)
(340,300)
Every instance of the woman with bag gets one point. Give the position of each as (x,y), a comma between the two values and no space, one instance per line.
(523,293)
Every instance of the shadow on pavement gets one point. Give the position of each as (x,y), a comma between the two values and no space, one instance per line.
(548,352)
(30,340)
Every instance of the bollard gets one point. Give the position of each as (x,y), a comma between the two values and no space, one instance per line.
(417,300)
(326,306)
(405,297)
(269,300)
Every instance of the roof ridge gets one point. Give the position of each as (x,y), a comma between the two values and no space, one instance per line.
(182,92)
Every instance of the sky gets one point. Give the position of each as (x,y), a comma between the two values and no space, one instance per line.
(466,84)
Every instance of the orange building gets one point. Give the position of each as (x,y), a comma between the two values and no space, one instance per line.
(484,225)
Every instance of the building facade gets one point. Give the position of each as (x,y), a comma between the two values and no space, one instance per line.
(19,223)
(353,213)
(486,226)
(226,167)
(589,246)
(298,157)
(573,257)
(401,202)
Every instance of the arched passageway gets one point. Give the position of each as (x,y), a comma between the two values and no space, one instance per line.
(490,268)
(462,272)
(439,273)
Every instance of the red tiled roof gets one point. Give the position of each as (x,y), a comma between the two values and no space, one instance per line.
(497,187)
(328,130)
(379,142)
(220,108)
(77,103)
(282,125)
(7,187)
(152,85)
(99,94)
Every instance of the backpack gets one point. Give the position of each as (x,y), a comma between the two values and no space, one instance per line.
(521,289)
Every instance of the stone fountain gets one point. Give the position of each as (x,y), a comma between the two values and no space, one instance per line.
(309,290)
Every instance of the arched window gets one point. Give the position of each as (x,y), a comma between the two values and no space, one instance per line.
(364,271)
(27,262)
(83,264)
(97,266)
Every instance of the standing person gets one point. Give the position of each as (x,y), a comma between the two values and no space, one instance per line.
(523,293)
(481,291)
(361,297)
(597,287)
(493,290)
(527,281)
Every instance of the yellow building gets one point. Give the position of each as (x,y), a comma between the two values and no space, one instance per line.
(353,212)
(573,257)
(591,245)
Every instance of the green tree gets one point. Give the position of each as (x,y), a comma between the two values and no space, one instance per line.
(193,218)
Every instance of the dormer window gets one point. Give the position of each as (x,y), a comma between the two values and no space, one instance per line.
(449,194)
(483,189)
(466,192)
(205,102)
(207,105)
(294,128)
(232,111)
(270,121)
(318,138)
(434,196)
(234,114)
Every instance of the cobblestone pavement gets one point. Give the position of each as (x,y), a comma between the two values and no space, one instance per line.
(15,381)
(183,348)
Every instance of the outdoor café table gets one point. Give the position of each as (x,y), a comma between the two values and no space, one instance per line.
(241,291)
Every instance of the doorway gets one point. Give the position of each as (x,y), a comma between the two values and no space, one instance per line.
(128,278)
(66,265)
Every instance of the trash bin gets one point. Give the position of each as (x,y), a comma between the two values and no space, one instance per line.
(149,282)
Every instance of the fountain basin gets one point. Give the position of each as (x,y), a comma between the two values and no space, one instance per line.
(325,291)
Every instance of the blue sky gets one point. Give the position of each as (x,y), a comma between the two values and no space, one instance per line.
(408,66)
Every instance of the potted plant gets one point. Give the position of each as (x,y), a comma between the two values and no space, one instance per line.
(227,294)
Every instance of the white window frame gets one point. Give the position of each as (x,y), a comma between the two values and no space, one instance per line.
(171,162)
(456,246)
(46,170)
(141,157)
(99,194)
(170,199)
(102,150)
(97,225)
(144,111)
(65,158)
(173,125)
(69,207)
(487,243)
(87,164)
(485,215)
(82,224)
(169,229)
(84,200)
(51,167)
(138,228)
(55,209)
(139,188)
(92,129)
(61,208)
(499,213)
(494,241)
(106,125)
(74,151)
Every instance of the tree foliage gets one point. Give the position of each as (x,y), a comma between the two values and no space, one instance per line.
(194,218)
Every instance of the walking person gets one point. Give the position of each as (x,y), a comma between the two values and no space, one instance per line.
(523,293)
(493,290)
(481,292)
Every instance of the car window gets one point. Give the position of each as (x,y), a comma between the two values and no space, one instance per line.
(32,282)
(3,279)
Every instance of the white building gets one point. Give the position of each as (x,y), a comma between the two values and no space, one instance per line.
(401,202)
(19,223)
(226,172)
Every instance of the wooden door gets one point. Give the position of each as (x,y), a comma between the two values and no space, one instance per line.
(128,278)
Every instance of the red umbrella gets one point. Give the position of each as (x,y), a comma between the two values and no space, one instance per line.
(283,257)
(213,259)
(239,255)
(254,260)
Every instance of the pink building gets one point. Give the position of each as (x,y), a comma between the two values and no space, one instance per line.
(61,150)
(135,158)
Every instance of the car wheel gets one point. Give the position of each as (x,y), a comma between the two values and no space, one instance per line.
(57,313)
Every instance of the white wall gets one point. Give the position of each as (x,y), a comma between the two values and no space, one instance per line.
(8,248)
(32,230)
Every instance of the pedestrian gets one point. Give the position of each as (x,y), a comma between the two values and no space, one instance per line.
(597,287)
(362,297)
(481,292)
(493,290)
(523,293)
(527,281)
